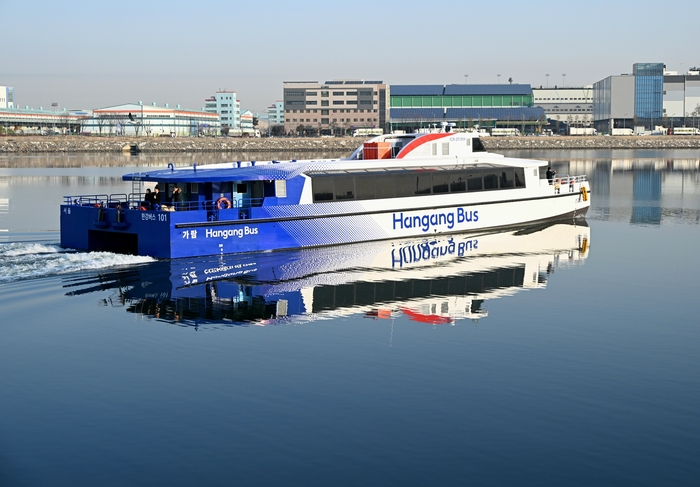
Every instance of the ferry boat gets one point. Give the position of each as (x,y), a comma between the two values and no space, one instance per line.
(434,280)
(392,186)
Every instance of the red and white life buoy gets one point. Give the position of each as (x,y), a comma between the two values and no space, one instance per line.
(223,203)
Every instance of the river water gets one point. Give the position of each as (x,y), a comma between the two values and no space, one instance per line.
(558,355)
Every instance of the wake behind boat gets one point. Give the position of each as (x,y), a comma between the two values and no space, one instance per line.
(393,186)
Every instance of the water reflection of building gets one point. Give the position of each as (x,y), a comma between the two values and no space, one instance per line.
(643,190)
(430,280)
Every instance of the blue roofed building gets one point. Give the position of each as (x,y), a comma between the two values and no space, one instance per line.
(414,107)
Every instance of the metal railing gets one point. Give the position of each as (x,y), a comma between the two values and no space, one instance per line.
(137,201)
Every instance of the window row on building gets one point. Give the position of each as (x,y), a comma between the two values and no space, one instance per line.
(460,101)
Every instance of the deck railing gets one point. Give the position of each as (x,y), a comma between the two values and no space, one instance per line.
(136,201)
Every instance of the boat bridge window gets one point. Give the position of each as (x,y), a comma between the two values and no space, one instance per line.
(477,145)
(362,185)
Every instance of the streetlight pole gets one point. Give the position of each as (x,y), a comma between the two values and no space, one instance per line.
(142,127)
(547,75)
(498,76)
(466,76)
(563,80)
(55,107)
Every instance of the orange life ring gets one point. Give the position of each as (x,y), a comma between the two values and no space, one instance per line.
(223,203)
(142,208)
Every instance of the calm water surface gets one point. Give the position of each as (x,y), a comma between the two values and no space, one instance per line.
(564,355)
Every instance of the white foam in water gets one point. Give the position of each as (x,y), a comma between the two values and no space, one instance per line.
(19,261)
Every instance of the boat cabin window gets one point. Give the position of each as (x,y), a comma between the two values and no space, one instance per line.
(364,186)
(384,186)
(477,145)
(423,183)
(400,184)
(194,188)
(323,188)
(344,188)
(441,182)
(490,180)
(475,181)
(241,188)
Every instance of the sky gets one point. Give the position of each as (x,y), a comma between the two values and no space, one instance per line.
(91,54)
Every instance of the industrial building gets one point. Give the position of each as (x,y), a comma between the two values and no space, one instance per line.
(415,107)
(571,105)
(649,97)
(151,120)
(28,121)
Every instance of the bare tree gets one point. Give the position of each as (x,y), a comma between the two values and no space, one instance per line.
(100,121)
(65,121)
(111,124)
(119,122)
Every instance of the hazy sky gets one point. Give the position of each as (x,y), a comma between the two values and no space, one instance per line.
(91,54)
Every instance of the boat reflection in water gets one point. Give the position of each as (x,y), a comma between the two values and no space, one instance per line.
(436,281)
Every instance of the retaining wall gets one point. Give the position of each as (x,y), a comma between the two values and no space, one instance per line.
(23,145)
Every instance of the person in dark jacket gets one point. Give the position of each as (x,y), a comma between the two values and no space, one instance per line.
(550,174)
(177,197)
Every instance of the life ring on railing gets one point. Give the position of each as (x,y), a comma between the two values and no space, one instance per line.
(142,208)
(584,193)
(223,203)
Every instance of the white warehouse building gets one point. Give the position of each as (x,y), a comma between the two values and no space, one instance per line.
(151,120)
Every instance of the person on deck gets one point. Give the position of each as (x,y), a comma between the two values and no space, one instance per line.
(550,174)
(177,197)
(149,199)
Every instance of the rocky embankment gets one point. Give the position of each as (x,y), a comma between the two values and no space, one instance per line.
(28,145)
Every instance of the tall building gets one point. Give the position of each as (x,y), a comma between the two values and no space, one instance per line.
(7,97)
(275,113)
(228,107)
(334,106)
(648,91)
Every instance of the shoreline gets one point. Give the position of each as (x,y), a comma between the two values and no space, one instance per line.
(62,144)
